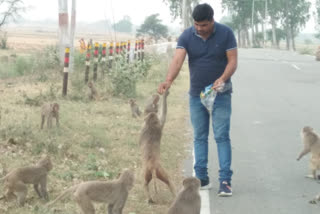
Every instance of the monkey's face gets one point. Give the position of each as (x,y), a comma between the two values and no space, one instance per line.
(132,102)
(46,162)
(128,176)
(191,182)
(307,129)
(90,84)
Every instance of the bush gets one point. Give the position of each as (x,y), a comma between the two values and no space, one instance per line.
(3,41)
(124,76)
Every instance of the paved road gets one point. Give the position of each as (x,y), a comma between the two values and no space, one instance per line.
(275,94)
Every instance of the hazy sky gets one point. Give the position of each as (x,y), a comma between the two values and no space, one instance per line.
(114,10)
(91,10)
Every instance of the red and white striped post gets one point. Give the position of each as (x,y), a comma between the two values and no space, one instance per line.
(117,50)
(142,49)
(135,50)
(95,65)
(139,49)
(103,59)
(63,27)
(128,51)
(86,77)
(110,55)
(66,71)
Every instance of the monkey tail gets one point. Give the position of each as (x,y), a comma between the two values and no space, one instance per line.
(63,195)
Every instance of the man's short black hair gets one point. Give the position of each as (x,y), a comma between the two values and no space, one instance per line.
(202,12)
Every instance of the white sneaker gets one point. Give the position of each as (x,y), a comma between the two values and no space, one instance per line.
(206,187)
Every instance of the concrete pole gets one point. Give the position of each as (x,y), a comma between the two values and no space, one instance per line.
(63,28)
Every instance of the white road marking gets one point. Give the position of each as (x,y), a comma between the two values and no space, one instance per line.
(205,197)
(296,67)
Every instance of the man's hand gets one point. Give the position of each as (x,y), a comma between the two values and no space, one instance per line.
(218,85)
(164,86)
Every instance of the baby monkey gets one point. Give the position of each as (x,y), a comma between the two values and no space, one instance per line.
(49,111)
(16,181)
(311,143)
(93,95)
(135,111)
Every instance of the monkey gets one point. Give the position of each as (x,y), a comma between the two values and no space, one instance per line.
(93,95)
(188,200)
(152,104)
(150,139)
(314,201)
(311,143)
(135,111)
(49,111)
(114,193)
(16,180)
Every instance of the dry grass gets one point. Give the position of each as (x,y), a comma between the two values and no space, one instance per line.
(96,140)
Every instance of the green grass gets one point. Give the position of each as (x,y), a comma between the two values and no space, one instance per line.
(96,139)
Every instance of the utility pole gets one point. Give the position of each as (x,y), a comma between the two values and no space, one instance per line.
(72,31)
(63,28)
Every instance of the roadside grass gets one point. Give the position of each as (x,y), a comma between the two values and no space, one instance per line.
(95,141)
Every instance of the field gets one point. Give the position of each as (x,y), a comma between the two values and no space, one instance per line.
(96,139)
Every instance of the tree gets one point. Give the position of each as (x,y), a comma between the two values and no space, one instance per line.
(10,10)
(318,18)
(123,25)
(182,9)
(152,26)
(296,15)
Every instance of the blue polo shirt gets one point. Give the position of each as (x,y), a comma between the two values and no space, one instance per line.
(207,58)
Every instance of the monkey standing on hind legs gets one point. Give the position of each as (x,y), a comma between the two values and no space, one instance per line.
(50,111)
(114,193)
(150,139)
(188,200)
(311,143)
(135,111)
(16,180)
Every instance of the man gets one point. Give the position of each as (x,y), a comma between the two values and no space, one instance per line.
(212,57)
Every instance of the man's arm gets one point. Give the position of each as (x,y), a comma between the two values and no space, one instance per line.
(174,69)
(232,56)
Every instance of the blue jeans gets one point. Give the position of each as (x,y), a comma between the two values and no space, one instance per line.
(200,119)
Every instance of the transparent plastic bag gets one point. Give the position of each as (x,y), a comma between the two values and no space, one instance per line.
(208,95)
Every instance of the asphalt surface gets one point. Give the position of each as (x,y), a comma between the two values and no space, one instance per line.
(276,93)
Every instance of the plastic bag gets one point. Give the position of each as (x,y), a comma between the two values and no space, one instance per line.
(208,95)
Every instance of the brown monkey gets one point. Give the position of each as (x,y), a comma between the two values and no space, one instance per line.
(311,143)
(114,193)
(188,200)
(135,111)
(49,111)
(16,180)
(150,139)
(93,95)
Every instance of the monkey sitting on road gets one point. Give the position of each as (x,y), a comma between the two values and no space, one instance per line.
(16,180)
(49,111)
(188,200)
(311,143)
(114,193)
(150,139)
(135,111)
